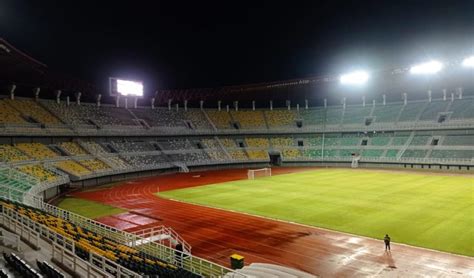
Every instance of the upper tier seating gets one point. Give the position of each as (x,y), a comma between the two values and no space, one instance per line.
(132,146)
(462,109)
(73,148)
(410,112)
(356,114)
(73,168)
(90,113)
(249,119)
(39,172)
(198,119)
(221,119)
(333,115)
(281,118)
(434,108)
(11,154)
(9,115)
(386,113)
(87,241)
(257,142)
(94,165)
(36,150)
(161,117)
(32,109)
(69,114)
(313,117)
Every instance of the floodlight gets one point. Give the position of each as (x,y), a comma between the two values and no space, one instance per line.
(468,62)
(430,67)
(355,78)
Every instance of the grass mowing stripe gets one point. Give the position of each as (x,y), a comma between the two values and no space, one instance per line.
(426,210)
(88,208)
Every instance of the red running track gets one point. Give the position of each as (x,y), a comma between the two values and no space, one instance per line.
(215,234)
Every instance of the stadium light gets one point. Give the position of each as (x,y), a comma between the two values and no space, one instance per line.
(355,78)
(126,87)
(430,67)
(468,62)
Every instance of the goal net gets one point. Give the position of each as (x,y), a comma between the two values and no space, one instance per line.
(257,173)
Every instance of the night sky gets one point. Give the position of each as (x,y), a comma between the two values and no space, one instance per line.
(178,44)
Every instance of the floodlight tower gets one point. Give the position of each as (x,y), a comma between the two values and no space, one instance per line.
(468,62)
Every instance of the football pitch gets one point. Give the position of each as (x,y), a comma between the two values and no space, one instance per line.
(434,211)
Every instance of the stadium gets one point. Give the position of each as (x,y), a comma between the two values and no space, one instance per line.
(292,178)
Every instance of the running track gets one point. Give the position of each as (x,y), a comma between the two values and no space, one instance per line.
(216,234)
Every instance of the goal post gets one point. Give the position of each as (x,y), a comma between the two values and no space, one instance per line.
(257,173)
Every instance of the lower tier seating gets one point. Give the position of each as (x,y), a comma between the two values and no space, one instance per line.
(94,165)
(73,168)
(11,154)
(36,150)
(39,172)
(87,241)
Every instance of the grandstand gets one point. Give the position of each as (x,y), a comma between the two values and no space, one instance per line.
(50,147)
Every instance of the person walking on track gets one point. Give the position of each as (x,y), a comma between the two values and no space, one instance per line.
(386,240)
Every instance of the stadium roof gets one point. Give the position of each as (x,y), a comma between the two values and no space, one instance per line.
(20,68)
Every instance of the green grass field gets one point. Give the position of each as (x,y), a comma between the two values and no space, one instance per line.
(88,208)
(427,210)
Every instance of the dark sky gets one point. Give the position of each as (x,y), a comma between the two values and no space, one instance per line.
(178,44)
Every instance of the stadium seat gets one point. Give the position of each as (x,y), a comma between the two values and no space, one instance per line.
(8,115)
(36,150)
(73,148)
(87,241)
(94,165)
(32,109)
(221,119)
(249,119)
(39,172)
(11,154)
(279,118)
(72,167)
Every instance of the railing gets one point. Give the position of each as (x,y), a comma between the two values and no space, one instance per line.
(170,255)
(32,232)
(162,230)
